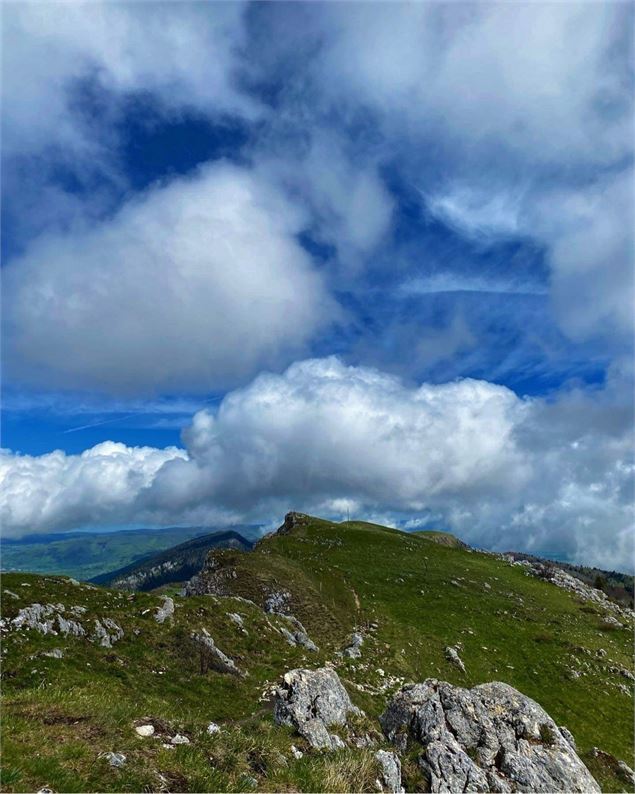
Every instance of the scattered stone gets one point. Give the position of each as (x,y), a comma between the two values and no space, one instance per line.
(145,730)
(353,649)
(337,743)
(611,622)
(489,738)
(213,729)
(487,585)
(390,771)
(165,611)
(114,759)
(179,739)
(11,594)
(235,618)
(278,602)
(452,655)
(56,653)
(45,790)
(311,701)
(107,632)
(212,657)
(297,635)
(297,754)
(73,581)
(619,768)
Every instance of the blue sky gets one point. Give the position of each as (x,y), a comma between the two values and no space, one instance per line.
(234,231)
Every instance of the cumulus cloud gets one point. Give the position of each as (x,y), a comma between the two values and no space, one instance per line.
(191,286)
(324,437)
(59,491)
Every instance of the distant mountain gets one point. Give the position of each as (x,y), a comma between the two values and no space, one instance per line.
(176,564)
(84,555)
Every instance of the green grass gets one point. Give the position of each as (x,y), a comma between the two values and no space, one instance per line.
(59,714)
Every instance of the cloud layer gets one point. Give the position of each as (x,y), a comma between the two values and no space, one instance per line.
(325,437)
(192,286)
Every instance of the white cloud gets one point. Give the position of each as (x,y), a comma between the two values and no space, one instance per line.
(184,56)
(58,491)
(191,286)
(324,437)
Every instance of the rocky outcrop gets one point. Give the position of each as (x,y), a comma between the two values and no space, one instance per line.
(555,575)
(489,738)
(312,701)
(215,578)
(47,619)
(292,521)
(390,772)
(296,633)
(211,657)
(107,632)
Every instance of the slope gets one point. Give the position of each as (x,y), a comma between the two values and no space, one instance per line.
(409,598)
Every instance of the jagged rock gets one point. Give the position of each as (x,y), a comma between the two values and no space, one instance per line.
(297,635)
(560,578)
(107,632)
(489,738)
(452,655)
(179,739)
(353,649)
(390,771)
(292,520)
(626,773)
(611,622)
(165,611)
(235,618)
(70,627)
(43,619)
(311,701)
(212,729)
(215,578)
(213,657)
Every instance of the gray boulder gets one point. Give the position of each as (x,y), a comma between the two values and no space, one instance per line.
(390,771)
(489,738)
(311,701)
(165,611)
(353,649)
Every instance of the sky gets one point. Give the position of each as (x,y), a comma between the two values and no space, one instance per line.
(345,258)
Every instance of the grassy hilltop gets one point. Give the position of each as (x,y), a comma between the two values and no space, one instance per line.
(409,595)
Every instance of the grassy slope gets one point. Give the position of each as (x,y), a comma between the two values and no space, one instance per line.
(523,631)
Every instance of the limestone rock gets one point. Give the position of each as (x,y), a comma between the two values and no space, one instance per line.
(145,730)
(353,649)
(311,701)
(489,738)
(390,771)
(165,611)
(107,632)
(452,655)
(212,656)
